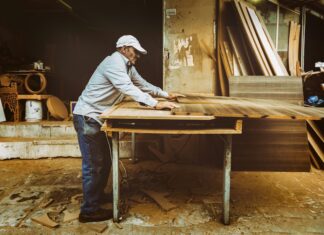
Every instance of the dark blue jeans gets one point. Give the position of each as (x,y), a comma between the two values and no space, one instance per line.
(96,161)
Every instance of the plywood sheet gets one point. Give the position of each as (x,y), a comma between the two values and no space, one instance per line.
(261,87)
(252,38)
(275,63)
(270,145)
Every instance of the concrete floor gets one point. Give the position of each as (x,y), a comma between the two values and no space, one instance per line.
(261,202)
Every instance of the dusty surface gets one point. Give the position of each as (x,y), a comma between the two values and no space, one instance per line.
(261,202)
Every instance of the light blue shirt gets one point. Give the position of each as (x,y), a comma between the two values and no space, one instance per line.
(109,84)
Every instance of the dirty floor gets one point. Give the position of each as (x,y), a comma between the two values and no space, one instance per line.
(261,202)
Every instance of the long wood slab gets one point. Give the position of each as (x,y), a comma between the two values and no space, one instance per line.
(245,107)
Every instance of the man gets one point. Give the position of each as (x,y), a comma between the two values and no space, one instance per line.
(114,78)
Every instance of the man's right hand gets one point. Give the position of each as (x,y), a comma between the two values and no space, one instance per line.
(166,105)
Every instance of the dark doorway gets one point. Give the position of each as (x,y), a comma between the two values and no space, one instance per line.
(73,36)
(314,38)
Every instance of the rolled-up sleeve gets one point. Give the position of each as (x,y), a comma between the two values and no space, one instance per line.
(117,75)
(145,86)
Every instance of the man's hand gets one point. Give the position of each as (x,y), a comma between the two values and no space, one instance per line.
(173,96)
(166,105)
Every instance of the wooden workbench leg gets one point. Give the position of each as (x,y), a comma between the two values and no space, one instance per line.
(227,178)
(115,171)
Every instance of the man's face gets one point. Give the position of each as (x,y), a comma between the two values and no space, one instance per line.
(131,53)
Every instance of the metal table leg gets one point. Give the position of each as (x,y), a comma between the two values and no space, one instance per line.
(115,174)
(227,178)
(133,147)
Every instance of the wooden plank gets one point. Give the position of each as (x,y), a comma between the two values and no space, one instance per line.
(314,160)
(317,130)
(290,48)
(99,228)
(237,52)
(278,68)
(227,67)
(296,49)
(33,97)
(270,145)
(229,56)
(160,199)
(283,67)
(133,110)
(237,129)
(249,37)
(45,220)
(288,89)
(252,38)
(316,147)
(245,107)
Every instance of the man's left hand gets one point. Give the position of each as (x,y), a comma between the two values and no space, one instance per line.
(174,96)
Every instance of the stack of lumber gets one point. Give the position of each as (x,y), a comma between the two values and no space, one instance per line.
(274,134)
(246,48)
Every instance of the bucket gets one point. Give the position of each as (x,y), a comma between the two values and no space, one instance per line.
(34,112)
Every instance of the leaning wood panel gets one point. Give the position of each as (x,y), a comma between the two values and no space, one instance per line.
(257,148)
(276,64)
(249,37)
(261,87)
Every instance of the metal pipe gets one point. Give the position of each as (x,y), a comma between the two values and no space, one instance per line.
(115,174)
(227,178)
(283,6)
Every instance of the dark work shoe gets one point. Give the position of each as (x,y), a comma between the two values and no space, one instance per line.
(106,198)
(99,215)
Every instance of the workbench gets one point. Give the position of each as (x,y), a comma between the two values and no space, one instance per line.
(130,117)
(198,115)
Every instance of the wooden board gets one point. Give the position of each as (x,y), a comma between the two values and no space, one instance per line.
(227,67)
(33,97)
(245,107)
(315,134)
(229,56)
(133,110)
(291,47)
(235,129)
(252,38)
(237,52)
(270,145)
(261,87)
(160,199)
(277,65)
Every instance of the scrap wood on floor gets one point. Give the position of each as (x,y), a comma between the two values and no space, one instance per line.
(160,199)
(45,220)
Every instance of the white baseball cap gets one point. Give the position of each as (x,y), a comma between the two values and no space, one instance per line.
(129,40)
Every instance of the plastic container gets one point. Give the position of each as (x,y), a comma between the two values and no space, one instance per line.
(34,111)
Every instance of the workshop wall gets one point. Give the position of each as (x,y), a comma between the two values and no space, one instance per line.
(74,42)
